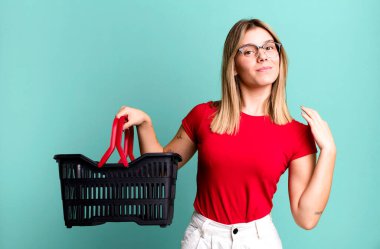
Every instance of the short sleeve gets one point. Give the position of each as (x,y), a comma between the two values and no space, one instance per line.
(304,144)
(192,121)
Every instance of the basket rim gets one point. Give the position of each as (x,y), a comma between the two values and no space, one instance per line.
(59,157)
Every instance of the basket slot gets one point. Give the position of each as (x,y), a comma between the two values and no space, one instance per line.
(86,214)
(110,210)
(140,191)
(115,192)
(156,191)
(163,192)
(69,192)
(116,210)
(69,171)
(96,211)
(153,212)
(144,171)
(165,174)
(154,169)
(76,212)
(90,210)
(69,213)
(151,188)
(127,194)
(97,190)
(104,193)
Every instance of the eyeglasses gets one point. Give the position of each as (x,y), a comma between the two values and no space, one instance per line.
(271,49)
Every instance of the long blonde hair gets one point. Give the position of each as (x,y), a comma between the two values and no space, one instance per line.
(227,116)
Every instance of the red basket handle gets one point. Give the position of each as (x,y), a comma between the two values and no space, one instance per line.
(116,136)
(128,141)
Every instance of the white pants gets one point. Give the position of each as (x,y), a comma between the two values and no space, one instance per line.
(203,233)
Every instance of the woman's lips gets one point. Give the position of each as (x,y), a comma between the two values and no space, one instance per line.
(264,69)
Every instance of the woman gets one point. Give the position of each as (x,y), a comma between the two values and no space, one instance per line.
(245,142)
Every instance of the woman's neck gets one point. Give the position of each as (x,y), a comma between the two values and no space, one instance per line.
(254,99)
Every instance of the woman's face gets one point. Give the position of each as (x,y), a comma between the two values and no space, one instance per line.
(247,68)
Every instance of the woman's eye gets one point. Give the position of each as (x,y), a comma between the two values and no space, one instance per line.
(270,47)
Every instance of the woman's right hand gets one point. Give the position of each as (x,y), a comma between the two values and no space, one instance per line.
(135,116)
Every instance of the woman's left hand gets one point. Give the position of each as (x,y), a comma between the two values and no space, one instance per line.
(319,128)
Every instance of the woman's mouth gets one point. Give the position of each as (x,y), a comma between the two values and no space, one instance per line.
(263,69)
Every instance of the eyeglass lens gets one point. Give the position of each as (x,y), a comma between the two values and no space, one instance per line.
(270,50)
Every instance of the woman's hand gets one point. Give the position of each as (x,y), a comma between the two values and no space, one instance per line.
(135,116)
(319,128)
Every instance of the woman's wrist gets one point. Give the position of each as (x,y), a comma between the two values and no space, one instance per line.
(329,149)
(147,122)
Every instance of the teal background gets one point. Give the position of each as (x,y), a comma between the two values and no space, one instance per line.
(66,67)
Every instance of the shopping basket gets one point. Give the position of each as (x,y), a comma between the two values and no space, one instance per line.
(142,190)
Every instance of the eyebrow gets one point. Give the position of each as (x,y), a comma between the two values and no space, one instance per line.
(255,44)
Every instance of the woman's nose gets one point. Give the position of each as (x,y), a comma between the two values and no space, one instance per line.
(262,55)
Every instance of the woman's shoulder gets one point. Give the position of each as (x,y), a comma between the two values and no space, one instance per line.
(208,105)
(297,127)
(298,124)
(202,110)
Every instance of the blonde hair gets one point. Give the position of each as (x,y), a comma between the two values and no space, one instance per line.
(227,116)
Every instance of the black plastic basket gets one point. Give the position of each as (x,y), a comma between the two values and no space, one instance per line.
(141,191)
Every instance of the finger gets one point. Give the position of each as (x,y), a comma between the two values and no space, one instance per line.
(312,113)
(127,125)
(309,112)
(307,117)
(122,112)
(306,111)
(315,114)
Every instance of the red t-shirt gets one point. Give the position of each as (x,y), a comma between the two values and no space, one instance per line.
(238,175)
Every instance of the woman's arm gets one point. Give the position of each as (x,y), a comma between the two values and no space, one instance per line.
(148,142)
(181,143)
(309,187)
(310,182)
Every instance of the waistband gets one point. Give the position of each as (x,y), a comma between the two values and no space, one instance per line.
(208,226)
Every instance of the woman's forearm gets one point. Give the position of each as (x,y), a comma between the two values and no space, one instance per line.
(147,138)
(314,199)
